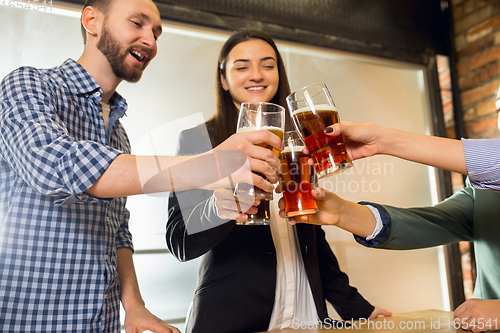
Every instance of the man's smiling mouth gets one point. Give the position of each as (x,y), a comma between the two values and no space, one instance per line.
(138,55)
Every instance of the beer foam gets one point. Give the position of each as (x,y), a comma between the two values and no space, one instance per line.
(295,148)
(321,107)
(254,128)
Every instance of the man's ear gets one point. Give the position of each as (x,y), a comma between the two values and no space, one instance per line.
(224,82)
(89,20)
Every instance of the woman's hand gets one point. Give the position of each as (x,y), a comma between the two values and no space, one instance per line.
(361,140)
(379,312)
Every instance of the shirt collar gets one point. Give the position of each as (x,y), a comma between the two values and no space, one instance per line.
(118,103)
(80,82)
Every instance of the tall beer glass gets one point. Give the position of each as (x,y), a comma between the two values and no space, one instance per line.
(297,177)
(255,116)
(312,110)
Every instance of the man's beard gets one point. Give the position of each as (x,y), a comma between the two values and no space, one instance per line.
(116,57)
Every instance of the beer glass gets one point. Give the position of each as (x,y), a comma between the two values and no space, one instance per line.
(297,177)
(255,116)
(312,110)
(262,217)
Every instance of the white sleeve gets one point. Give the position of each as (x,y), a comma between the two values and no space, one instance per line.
(379,225)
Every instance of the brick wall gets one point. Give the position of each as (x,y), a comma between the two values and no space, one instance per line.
(477,41)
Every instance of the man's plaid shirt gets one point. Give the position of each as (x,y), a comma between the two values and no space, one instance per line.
(58,244)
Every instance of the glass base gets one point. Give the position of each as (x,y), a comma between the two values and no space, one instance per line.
(249,190)
(311,211)
(334,170)
(254,222)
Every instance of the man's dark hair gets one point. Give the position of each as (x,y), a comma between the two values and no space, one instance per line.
(101,5)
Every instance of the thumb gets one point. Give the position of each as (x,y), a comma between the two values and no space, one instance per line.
(320,194)
(345,128)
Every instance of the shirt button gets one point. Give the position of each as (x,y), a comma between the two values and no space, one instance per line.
(98,94)
(107,258)
(86,95)
(107,219)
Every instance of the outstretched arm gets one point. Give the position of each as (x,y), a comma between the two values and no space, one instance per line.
(333,210)
(130,174)
(450,221)
(477,158)
(36,143)
(363,140)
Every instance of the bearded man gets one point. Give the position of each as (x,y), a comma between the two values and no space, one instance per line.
(65,170)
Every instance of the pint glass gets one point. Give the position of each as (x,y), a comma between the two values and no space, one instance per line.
(297,177)
(312,110)
(262,217)
(255,116)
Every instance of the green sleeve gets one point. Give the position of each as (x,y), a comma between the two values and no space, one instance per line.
(447,222)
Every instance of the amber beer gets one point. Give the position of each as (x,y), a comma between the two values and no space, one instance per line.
(328,152)
(255,191)
(263,215)
(256,116)
(275,130)
(297,181)
(312,110)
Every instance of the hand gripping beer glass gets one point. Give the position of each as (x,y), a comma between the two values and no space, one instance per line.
(255,116)
(312,110)
(262,217)
(297,177)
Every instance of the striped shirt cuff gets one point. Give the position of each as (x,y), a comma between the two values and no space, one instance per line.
(482,158)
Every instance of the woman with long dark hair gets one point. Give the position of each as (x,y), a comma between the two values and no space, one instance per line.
(223,123)
(253,278)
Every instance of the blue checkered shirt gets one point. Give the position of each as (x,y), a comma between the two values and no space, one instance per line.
(57,243)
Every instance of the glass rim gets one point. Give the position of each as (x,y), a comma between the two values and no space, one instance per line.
(295,141)
(246,104)
(302,99)
(291,131)
(322,85)
(311,85)
(288,133)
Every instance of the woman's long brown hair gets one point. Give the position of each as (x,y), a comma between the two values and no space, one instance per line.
(223,123)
